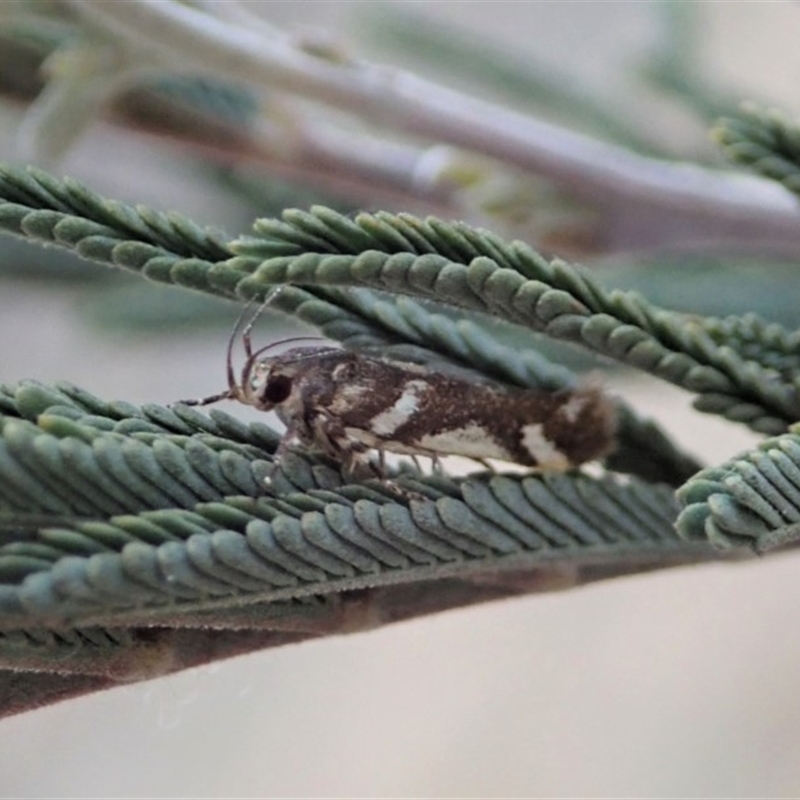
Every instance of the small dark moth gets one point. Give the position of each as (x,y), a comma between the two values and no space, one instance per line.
(345,404)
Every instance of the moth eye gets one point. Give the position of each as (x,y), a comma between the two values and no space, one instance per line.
(277,389)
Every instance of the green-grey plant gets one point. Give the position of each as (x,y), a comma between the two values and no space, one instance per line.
(139,540)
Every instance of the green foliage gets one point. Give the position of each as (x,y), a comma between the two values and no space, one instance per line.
(454,264)
(138,540)
(113,516)
(752,500)
(111,508)
(766,142)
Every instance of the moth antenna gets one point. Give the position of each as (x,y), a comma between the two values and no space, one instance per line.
(281,342)
(235,390)
(231,374)
(271,295)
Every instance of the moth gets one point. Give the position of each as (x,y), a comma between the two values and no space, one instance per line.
(346,404)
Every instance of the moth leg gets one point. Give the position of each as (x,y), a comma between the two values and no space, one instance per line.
(357,466)
(382,462)
(353,464)
(328,435)
(289,440)
(417,462)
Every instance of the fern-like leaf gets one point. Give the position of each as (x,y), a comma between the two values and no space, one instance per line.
(765,141)
(752,500)
(138,540)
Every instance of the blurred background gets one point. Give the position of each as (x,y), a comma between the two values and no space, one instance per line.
(669,684)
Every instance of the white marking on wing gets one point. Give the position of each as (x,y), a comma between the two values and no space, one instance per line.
(388,421)
(572,408)
(472,441)
(542,449)
(346,397)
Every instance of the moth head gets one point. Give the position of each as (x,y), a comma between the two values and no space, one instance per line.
(264,385)
(268,382)
(265,381)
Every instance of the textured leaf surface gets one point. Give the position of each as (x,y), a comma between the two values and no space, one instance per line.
(109,508)
(765,141)
(140,540)
(751,500)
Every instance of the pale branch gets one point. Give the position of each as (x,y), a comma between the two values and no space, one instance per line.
(645,203)
(518,75)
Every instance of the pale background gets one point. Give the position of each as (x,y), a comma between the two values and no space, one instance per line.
(674,684)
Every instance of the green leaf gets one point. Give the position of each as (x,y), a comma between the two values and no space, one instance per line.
(765,141)
(751,500)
